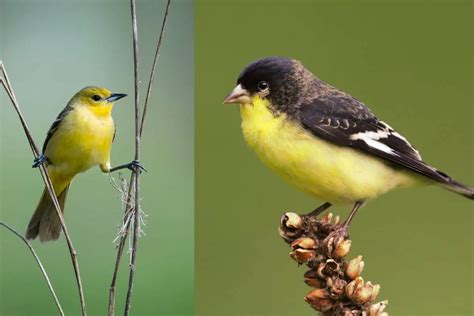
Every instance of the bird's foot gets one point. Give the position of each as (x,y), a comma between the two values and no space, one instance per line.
(41,159)
(134,165)
(315,213)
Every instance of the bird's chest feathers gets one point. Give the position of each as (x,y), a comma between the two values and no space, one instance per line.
(278,142)
(84,139)
(92,131)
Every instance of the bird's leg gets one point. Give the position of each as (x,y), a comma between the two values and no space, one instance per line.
(131,166)
(356,207)
(318,210)
(339,234)
(337,242)
(41,159)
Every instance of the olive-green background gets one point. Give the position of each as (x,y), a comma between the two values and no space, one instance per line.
(52,49)
(411,62)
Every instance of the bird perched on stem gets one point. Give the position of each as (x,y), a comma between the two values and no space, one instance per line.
(80,138)
(324,141)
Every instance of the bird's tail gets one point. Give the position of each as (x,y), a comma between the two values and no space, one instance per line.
(459,188)
(45,221)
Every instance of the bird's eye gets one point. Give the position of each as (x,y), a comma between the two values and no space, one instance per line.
(96,97)
(262,86)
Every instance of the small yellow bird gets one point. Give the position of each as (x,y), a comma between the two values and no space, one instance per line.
(80,138)
(324,141)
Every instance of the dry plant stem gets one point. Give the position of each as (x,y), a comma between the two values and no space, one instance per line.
(49,186)
(120,248)
(38,261)
(136,170)
(153,67)
(128,209)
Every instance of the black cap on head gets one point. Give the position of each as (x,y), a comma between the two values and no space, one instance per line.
(278,79)
(273,70)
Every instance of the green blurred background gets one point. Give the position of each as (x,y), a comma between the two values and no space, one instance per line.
(411,62)
(52,49)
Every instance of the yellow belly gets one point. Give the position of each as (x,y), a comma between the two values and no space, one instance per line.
(332,173)
(82,141)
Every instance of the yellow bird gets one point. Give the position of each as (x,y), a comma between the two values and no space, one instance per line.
(324,141)
(80,138)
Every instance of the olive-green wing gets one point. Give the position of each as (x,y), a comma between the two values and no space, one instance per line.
(56,124)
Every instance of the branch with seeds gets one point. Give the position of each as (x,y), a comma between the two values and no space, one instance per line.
(338,287)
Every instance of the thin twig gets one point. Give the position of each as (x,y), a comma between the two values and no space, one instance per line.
(120,248)
(128,208)
(137,158)
(49,186)
(38,261)
(153,67)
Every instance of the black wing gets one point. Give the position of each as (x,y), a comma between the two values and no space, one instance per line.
(345,121)
(56,125)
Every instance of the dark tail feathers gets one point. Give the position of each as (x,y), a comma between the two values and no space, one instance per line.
(456,187)
(45,222)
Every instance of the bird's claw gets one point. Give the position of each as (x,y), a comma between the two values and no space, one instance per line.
(136,164)
(41,159)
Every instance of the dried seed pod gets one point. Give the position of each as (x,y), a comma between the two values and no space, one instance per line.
(311,279)
(378,309)
(336,286)
(319,300)
(354,267)
(304,243)
(343,246)
(317,294)
(329,245)
(328,268)
(290,226)
(302,255)
(313,282)
(337,219)
(322,305)
(326,219)
(375,291)
(361,293)
(292,220)
(354,286)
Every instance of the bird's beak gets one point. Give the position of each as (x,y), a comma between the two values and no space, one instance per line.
(238,95)
(115,96)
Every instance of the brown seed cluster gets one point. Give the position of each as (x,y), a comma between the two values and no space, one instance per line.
(322,245)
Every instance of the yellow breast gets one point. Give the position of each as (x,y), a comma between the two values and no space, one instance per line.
(82,140)
(332,173)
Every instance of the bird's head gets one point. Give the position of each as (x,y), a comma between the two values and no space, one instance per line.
(269,78)
(99,100)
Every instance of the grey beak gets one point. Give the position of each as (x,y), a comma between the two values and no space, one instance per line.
(238,95)
(115,97)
